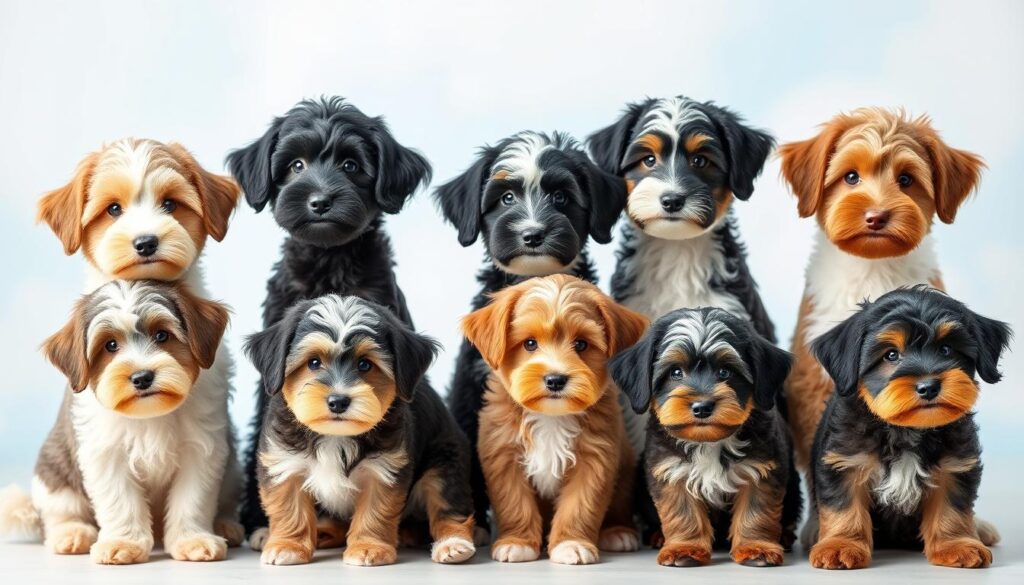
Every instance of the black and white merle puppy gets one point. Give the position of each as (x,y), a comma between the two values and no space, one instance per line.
(718,460)
(352,427)
(329,173)
(536,199)
(896,461)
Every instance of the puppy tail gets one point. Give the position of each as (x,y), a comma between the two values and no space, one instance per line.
(19,519)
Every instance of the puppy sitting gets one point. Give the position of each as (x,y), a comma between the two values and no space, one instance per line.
(352,427)
(718,457)
(896,460)
(144,449)
(552,442)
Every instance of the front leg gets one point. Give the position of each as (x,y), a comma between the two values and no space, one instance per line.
(373,532)
(192,503)
(121,509)
(583,501)
(756,528)
(684,523)
(948,526)
(291,537)
(841,484)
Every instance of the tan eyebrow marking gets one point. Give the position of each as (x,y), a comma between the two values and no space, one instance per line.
(695,141)
(895,337)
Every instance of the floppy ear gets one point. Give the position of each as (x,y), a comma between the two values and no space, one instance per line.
(487,328)
(955,174)
(838,351)
(413,353)
(268,349)
(251,167)
(205,323)
(633,370)
(748,149)
(771,366)
(461,199)
(607,200)
(62,208)
(623,327)
(804,164)
(608,146)
(399,170)
(217,194)
(993,338)
(66,350)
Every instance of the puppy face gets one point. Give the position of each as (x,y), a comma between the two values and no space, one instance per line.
(875,179)
(549,340)
(328,171)
(911,356)
(683,162)
(536,198)
(340,363)
(140,209)
(139,345)
(702,372)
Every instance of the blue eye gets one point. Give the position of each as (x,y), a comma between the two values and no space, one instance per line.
(724,373)
(508,198)
(364,365)
(905,180)
(161,336)
(650,160)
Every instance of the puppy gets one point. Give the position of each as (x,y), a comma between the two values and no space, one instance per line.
(896,459)
(552,442)
(874,180)
(329,174)
(536,199)
(142,451)
(352,426)
(718,457)
(142,209)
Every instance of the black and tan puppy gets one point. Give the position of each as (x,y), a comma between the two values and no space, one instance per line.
(896,460)
(718,458)
(352,427)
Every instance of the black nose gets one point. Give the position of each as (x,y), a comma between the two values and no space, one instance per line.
(555,382)
(929,389)
(672,202)
(146,245)
(320,204)
(703,409)
(533,237)
(337,403)
(143,379)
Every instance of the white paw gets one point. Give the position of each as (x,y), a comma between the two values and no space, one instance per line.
(71,538)
(514,553)
(258,538)
(120,552)
(574,552)
(199,548)
(619,540)
(451,550)
(283,555)
(481,536)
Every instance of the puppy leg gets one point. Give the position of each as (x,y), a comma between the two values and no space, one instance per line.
(685,524)
(844,511)
(121,509)
(292,515)
(450,514)
(756,527)
(192,505)
(68,525)
(948,526)
(619,533)
(373,532)
(583,501)
(513,500)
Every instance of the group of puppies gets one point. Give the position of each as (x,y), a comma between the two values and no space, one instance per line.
(576,421)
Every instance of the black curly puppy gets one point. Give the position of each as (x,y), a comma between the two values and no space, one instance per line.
(536,199)
(896,460)
(329,173)
(718,460)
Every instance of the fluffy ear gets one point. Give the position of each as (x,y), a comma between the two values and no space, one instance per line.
(268,349)
(771,366)
(488,328)
(747,148)
(608,145)
(838,351)
(66,350)
(993,338)
(461,198)
(633,371)
(217,194)
(413,355)
(62,208)
(623,327)
(607,200)
(955,174)
(804,164)
(205,323)
(399,170)
(251,167)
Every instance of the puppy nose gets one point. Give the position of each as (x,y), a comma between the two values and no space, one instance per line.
(143,379)
(703,409)
(320,204)
(672,202)
(146,245)
(337,403)
(533,237)
(928,389)
(555,382)
(876,219)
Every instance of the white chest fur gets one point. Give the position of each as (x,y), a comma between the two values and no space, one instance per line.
(902,484)
(550,450)
(705,472)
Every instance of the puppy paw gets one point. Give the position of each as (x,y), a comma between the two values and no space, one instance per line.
(258,538)
(758,554)
(230,530)
(199,548)
(481,536)
(370,554)
(119,552)
(987,533)
(619,539)
(451,550)
(330,533)
(514,551)
(840,553)
(574,552)
(281,552)
(681,554)
(71,538)
(965,553)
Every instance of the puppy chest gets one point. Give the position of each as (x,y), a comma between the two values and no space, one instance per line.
(549,450)
(901,483)
(711,472)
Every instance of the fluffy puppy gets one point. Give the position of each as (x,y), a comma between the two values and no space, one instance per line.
(535,199)
(352,426)
(718,458)
(552,443)
(874,180)
(329,174)
(896,460)
(143,451)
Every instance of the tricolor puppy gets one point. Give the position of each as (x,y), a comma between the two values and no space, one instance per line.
(718,458)
(353,428)
(896,461)
(140,445)
(874,180)
(552,443)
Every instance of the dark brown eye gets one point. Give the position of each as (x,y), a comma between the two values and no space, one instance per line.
(111,346)
(508,198)
(559,198)
(314,364)
(114,209)
(169,205)
(530,344)
(905,180)
(350,166)
(676,373)
(945,350)
(580,345)
(892,355)
(698,161)
(364,365)
(650,160)
(297,166)
(724,373)
(161,336)
(851,178)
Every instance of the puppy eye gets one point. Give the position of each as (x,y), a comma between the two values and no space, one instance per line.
(945,350)
(698,161)
(169,205)
(297,166)
(559,198)
(724,373)
(111,346)
(580,345)
(114,209)
(508,198)
(650,160)
(851,178)
(905,180)
(314,364)
(161,336)
(364,365)
(892,355)
(530,344)
(676,373)
(350,166)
